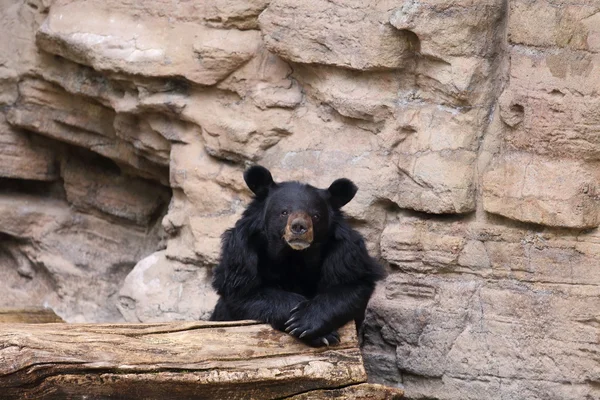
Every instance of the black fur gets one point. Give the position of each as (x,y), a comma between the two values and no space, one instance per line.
(310,293)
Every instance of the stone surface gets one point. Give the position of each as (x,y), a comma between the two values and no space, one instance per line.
(234,14)
(572,25)
(523,338)
(20,158)
(144,47)
(543,190)
(232,130)
(472,25)
(523,307)
(470,127)
(93,189)
(70,261)
(51,111)
(558,121)
(334,33)
(155,290)
(266,79)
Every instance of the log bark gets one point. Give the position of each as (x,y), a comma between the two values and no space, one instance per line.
(28,315)
(191,360)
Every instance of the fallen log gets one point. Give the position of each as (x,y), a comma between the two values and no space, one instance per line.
(188,360)
(28,315)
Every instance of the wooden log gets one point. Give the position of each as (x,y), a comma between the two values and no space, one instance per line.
(28,315)
(363,391)
(191,360)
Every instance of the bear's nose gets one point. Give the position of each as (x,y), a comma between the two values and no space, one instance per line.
(298,226)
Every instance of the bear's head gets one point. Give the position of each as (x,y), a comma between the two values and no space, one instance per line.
(297,213)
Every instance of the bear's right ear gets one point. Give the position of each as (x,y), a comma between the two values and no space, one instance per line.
(259,180)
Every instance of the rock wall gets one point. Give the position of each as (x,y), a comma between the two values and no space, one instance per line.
(471,128)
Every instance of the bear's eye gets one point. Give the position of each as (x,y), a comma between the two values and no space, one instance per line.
(316,217)
(284,213)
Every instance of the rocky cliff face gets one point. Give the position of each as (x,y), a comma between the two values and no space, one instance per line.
(471,128)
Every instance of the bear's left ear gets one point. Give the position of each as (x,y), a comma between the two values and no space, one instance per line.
(259,180)
(341,192)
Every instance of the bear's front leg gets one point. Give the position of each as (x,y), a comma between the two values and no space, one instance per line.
(266,304)
(308,327)
(309,323)
(328,311)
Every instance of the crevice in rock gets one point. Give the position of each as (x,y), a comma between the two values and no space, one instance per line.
(501,220)
(442,217)
(365,122)
(53,189)
(414,43)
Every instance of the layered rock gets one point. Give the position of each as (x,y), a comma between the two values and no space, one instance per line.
(333,33)
(471,132)
(21,158)
(144,46)
(70,261)
(514,307)
(81,196)
(543,190)
(548,170)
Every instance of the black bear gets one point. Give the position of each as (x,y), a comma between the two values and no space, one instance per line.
(293,261)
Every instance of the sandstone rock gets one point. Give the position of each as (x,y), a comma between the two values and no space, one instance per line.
(20,158)
(437,182)
(333,33)
(158,289)
(558,121)
(231,129)
(8,87)
(506,331)
(26,217)
(84,81)
(180,244)
(18,53)
(413,245)
(24,284)
(573,25)
(90,188)
(224,53)
(266,80)
(437,129)
(328,154)
(483,300)
(462,83)
(47,109)
(91,119)
(544,191)
(234,14)
(452,28)
(474,255)
(334,154)
(209,198)
(77,261)
(207,233)
(564,71)
(368,96)
(202,55)
(144,133)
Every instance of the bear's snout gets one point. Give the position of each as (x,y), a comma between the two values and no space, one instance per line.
(298,226)
(299,230)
